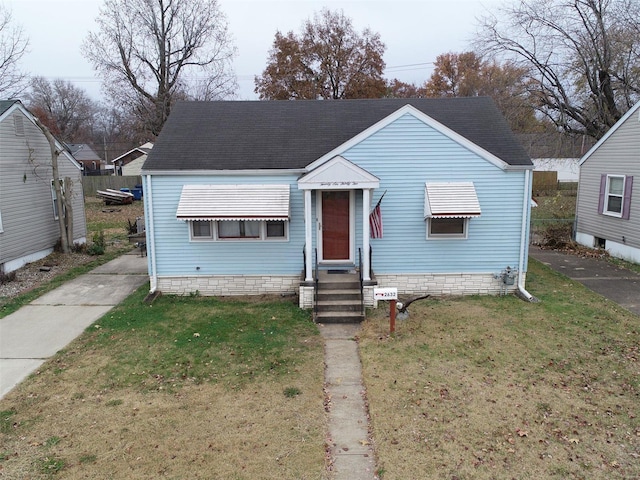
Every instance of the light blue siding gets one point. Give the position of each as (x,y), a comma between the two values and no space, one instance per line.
(404,156)
(407,154)
(176,255)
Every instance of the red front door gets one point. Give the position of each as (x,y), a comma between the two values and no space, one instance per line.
(335,225)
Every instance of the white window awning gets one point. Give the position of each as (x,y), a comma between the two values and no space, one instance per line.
(233,202)
(451,200)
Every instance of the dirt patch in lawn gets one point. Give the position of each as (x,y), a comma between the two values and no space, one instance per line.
(489,387)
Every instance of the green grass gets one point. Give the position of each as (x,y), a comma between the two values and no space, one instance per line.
(226,388)
(6,420)
(197,339)
(50,466)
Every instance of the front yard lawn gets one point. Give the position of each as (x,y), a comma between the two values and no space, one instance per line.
(188,387)
(496,388)
(468,388)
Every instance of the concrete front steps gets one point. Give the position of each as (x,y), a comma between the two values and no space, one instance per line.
(339,298)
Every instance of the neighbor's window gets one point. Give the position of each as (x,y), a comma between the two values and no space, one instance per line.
(1,229)
(614,195)
(239,230)
(447,227)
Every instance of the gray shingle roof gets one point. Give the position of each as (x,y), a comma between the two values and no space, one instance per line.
(5,105)
(83,152)
(251,135)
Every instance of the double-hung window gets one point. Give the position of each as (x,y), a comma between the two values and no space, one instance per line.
(615,195)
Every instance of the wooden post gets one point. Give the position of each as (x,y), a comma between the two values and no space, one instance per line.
(392,316)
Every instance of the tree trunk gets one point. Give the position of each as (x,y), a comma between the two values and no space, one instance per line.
(68,214)
(64,243)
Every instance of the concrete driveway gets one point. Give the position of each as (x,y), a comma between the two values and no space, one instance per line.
(615,283)
(38,330)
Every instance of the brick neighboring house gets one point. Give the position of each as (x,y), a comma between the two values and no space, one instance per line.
(91,162)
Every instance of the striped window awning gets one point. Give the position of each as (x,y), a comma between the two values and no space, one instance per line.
(234,202)
(451,200)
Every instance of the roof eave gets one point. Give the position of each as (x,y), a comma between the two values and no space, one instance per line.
(610,132)
(261,172)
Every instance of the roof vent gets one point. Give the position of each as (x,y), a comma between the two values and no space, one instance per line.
(18,123)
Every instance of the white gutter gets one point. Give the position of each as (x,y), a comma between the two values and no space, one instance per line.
(524,241)
(151,247)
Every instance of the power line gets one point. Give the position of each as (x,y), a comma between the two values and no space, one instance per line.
(421,65)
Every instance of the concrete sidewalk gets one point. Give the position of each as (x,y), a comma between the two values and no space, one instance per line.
(615,283)
(351,453)
(38,330)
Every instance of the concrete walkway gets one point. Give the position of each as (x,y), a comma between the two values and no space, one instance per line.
(351,453)
(615,283)
(38,330)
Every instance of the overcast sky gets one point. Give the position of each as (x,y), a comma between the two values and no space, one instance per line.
(414,31)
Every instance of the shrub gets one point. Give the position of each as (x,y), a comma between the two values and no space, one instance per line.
(7,277)
(98,246)
(557,235)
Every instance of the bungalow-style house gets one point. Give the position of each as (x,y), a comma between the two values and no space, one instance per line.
(28,214)
(91,162)
(277,197)
(130,163)
(607,215)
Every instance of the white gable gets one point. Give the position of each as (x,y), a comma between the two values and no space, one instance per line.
(338,174)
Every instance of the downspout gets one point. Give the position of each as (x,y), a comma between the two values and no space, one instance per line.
(151,247)
(524,241)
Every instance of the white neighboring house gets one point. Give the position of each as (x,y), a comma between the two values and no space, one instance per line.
(568,168)
(130,163)
(28,216)
(607,214)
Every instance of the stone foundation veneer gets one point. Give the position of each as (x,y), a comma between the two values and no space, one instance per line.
(408,285)
(443,284)
(229,285)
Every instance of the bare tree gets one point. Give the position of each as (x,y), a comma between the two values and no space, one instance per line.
(64,192)
(151,52)
(117,131)
(13,45)
(65,109)
(329,60)
(583,57)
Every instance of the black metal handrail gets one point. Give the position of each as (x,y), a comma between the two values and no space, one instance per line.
(304,262)
(361,280)
(315,282)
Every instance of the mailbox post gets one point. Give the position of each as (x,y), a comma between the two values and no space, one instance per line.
(389,294)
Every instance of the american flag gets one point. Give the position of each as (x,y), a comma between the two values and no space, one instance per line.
(375,221)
